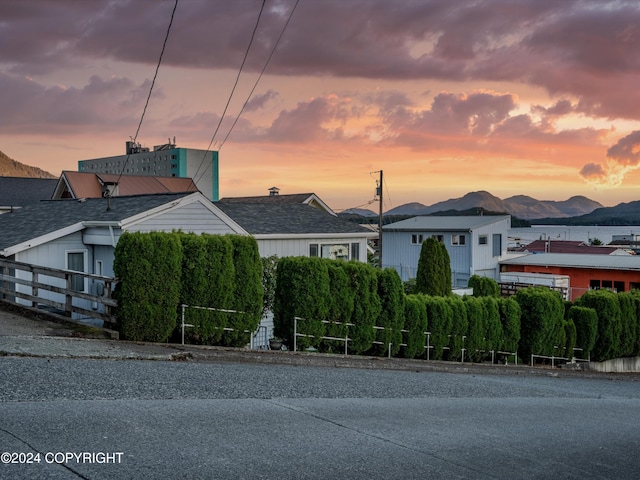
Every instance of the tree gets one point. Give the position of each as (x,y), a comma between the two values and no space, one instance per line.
(606,305)
(440,320)
(433,276)
(415,324)
(459,326)
(391,295)
(148,268)
(541,320)
(302,290)
(484,286)
(586,323)
(477,320)
(341,305)
(510,317)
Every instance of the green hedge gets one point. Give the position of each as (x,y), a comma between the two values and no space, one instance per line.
(607,307)
(477,318)
(341,305)
(248,291)
(484,286)
(207,281)
(148,269)
(585,320)
(302,290)
(459,327)
(542,320)
(493,326)
(415,324)
(433,276)
(510,314)
(440,318)
(391,318)
(628,321)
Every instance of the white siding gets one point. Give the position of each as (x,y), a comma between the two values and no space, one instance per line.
(300,247)
(194,217)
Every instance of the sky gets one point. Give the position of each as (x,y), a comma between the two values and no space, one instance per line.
(514,97)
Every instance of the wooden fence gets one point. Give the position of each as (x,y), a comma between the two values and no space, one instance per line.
(36,282)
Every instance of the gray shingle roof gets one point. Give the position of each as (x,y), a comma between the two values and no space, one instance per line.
(21,191)
(438,223)
(286,218)
(46,217)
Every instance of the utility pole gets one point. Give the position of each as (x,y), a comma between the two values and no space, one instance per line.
(379,192)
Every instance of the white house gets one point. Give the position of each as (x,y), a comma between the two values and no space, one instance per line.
(81,235)
(475,244)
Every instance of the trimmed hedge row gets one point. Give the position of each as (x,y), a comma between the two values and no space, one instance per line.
(157,272)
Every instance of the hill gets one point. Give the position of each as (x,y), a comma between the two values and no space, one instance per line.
(520,206)
(621,214)
(12,168)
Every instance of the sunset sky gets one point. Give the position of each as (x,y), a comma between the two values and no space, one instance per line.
(534,97)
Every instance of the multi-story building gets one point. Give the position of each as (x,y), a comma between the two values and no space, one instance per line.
(166,160)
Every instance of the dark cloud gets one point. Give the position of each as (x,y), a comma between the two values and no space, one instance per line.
(627,151)
(593,172)
(32,107)
(258,102)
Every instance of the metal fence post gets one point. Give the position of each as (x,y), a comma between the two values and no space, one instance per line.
(295,334)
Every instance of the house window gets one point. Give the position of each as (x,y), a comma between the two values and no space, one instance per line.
(313,250)
(458,240)
(483,240)
(75,262)
(607,284)
(634,285)
(618,286)
(594,284)
(439,238)
(497,244)
(416,239)
(335,252)
(355,251)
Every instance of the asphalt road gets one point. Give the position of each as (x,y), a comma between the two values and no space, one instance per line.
(160,419)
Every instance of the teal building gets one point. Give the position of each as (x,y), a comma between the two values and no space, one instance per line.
(166,160)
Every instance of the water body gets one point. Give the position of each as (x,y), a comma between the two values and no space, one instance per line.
(526,235)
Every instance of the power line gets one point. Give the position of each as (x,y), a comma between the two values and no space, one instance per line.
(261,73)
(246,54)
(153,82)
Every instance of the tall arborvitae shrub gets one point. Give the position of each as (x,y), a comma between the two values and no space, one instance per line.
(363,280)
(440,320)
(148,269)
(493,328)
(570,338)
(541,321)
(477,318)
(629,321)
(341,304)
(606,305)
(269,268)
(433,276)
(302,290)
(484,286)
(586,322)
(391,318)
(510,319)
(248,292)
(635,294)
(459,327)
(415,324)
(208,280)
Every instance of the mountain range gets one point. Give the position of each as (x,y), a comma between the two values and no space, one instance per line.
(520,206)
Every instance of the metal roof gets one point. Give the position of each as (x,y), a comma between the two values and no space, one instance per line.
(438,223)
(89,184)
(577,260)
(286,218)
(34,221)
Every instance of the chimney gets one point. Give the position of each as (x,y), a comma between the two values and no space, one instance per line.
(273,191)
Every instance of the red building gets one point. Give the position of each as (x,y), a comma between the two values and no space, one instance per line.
(587,272)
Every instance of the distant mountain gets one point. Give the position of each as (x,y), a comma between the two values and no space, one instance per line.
(621,214)
(362,212)
(12,168)
(520,206)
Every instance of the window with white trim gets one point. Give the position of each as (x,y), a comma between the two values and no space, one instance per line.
(483,240)
(76,262)
(417,239)
(458,240)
